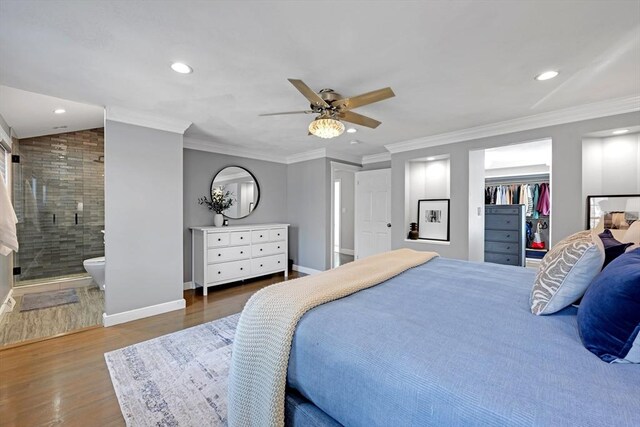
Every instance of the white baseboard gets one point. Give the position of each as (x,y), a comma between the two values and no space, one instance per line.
(189,285)
(344,251)
(305,270)
(7,303)
(140,313)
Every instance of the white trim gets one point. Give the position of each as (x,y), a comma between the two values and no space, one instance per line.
(376,158)
(188,285)
(140,313)
(140,118)
(8,301)
(552,118)
(307,155)
(344,251)
(305,270)
(230,150)
(337,166)
(428,242)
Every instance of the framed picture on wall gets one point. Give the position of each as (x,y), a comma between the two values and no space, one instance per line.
(433,219)
(616,212)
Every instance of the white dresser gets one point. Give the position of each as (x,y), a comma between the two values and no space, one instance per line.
(228,254)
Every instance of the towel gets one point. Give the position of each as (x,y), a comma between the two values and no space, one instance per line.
(8,220)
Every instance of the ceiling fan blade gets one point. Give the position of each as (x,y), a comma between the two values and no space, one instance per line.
(365,98)
(308,93)
(359,119)
(287,112)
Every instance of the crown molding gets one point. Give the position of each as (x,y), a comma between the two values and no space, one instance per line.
(230,150)
(552,118)
(140,118)
(307,155)
(345,157)
(376,158)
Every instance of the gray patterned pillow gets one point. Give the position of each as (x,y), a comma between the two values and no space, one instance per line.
(566,272)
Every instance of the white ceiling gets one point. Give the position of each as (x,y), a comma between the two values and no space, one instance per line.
(452,65)
(31,114)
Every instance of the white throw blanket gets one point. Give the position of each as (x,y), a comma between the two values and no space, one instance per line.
(8,220)
(263,337)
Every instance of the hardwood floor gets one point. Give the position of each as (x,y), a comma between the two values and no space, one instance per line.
(65,381)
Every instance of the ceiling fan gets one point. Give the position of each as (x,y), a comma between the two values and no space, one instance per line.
(333,109)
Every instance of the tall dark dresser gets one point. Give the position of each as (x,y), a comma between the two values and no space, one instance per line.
(504,234)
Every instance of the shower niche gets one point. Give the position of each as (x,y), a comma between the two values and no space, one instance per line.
(58,191)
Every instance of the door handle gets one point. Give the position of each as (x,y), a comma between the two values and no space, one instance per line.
(389,225)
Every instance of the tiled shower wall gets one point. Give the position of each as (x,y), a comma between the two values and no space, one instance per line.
(58,190)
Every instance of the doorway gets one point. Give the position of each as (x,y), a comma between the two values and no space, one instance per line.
(342,213)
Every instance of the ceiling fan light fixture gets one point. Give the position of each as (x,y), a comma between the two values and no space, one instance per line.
(326,128)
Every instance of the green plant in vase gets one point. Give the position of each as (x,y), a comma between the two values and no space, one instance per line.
(221,200)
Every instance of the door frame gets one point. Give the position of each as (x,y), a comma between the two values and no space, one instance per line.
(337,166)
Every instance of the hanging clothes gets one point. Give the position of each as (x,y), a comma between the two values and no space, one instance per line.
(536,198)
(544,202)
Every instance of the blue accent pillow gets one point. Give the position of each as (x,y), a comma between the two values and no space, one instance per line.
(612,248)
(609,315)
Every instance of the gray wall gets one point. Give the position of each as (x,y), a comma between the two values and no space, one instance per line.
(308,210)
(6,261)
(568,206)
(347,201)
(200,168)
(143,216)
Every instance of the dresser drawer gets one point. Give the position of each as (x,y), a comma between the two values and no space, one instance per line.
(501,258)
(277,234)
(500,236)
(228,254)
(268,264)
(228,270)
(503,209)
(503,248)
(502,222)
(263,249)
(239,238)
(218,239)
(259,236)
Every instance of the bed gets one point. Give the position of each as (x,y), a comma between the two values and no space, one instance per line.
(451,343)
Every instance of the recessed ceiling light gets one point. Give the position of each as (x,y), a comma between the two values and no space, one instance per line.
(430,158)
(59,127)
(620,131)
(547,75)
(181,68)
(355,141)
(59,111)
(352,130)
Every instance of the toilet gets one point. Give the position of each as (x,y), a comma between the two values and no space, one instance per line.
(95,267)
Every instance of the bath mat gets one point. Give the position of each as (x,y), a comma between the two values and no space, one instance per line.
(178,379)
(49,299)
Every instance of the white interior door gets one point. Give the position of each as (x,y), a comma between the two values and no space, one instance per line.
(373,212)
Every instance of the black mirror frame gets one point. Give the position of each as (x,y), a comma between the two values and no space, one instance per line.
(255,180)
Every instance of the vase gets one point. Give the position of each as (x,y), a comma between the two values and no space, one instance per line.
(413,231)
(218,219)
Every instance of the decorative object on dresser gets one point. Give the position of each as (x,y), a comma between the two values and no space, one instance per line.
(504,234)
(433,219)
(244,188)
(221,200)
(237,252)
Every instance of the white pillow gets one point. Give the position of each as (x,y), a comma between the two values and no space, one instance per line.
(632,234)
(566,272)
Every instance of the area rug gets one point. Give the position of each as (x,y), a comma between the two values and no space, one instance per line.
(39,300)
(178,379)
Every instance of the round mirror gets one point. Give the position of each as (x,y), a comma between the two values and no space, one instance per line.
(243,188)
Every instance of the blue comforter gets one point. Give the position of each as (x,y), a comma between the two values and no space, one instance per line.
(454,343)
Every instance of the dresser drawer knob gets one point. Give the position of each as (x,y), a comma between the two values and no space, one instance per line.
(241,237)
(260,249)
(260,265)
(219,254)
(241,252)
(241,268)
(219,239)
(261,235)
(219,272)
(278,262)
(278,247)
